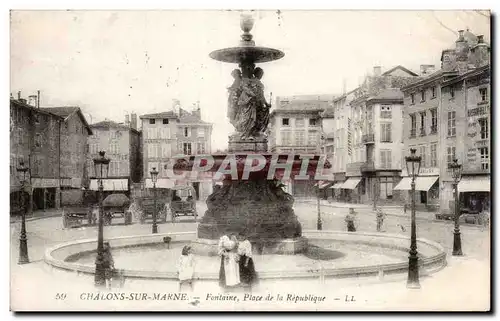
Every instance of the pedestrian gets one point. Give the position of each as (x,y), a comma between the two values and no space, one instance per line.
(109,265)
(229,272)
(350,220)
(380,219)
(485,220)
(248,276)
(185,269)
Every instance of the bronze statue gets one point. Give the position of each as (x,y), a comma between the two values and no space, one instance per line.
(248,110)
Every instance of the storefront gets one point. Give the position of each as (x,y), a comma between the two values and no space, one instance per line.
(475,193)
(353,189)
(426,189)
(46,193)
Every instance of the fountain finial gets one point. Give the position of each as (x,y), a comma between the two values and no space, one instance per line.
(246,24)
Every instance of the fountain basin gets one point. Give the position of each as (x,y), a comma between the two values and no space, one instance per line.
(341,260)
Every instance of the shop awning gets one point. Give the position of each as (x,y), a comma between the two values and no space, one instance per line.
(337,185)
(474,184)
(110,184)
(323,184)
(422,183)
(160,183)
(351,183)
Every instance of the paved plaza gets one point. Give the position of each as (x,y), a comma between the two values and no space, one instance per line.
(463,283)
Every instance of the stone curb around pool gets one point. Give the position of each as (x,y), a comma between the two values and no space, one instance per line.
(435,261)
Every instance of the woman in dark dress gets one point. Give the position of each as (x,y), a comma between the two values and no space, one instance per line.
(349,219)
(248,276)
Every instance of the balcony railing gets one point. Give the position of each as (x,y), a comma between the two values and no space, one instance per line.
(413,133)
(482,110)
(368,166)
(368,139)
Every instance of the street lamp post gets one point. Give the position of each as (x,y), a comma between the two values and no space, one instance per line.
(23,241)
(101,166)
(413,169)
(457,175)
(319,222)
(154,178)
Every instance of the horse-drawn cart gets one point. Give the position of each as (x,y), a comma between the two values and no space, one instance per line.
(183,202)
(116,205)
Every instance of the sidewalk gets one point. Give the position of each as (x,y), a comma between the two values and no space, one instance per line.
(40,214)
(392,210)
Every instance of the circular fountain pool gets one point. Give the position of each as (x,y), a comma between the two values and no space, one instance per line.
(329,254)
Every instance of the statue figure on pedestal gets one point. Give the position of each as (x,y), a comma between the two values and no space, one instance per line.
(248,110)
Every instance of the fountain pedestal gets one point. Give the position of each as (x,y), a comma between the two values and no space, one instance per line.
(257,208)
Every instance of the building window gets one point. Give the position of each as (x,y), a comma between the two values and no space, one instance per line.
(114,148)
(452,129)
(422,155)
(313,122)
(187,132)
(413,121)
(412,98)
(450,155)
(187,148)
(385,132)
(422,123)
(38,140)
(483,124)
(300,138)
(285,121)
(483,92)
(433,155)
(422,96)
(433,89)
(485,158)
(385,111)
(165,121)
(385,159)
(201,132)
(286,138)
(434,123)
(452,92)
(151,121)
(312,138)
(200,148)
(153,150)
(20,136)
(166,150)
(299,122)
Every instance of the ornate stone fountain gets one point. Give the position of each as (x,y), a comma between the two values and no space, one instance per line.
(255,205)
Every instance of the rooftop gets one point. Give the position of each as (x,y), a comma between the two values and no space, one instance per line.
(165,114)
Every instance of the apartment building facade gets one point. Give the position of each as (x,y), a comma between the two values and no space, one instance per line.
(170,134)
(448,116)
(122,143)
(295,127)
(370,138)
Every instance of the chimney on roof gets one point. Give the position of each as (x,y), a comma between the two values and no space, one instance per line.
(427,69)
(377,71)
(480,53)
(133,121)
(19,95)
(32,100)
(127,120)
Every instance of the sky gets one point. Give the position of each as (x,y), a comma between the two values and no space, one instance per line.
(111,63)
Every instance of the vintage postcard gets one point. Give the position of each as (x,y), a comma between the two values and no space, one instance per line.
(260,160)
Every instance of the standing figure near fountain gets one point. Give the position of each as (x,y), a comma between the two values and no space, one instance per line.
(350,219)
(248,276)
(229,273)
(185,268)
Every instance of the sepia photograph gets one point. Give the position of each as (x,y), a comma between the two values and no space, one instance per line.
(250,160)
